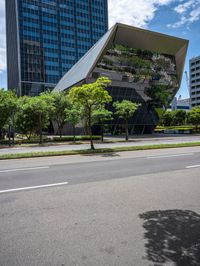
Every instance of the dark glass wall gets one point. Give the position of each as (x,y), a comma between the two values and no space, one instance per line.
(53,36)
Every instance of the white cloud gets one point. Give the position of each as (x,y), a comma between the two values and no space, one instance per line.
(134,12)
(182,8)
(189,12)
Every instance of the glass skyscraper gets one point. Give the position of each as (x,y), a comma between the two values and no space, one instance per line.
(45,38)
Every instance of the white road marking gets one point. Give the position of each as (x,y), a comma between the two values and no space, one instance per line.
(24,169)
(170,155)
(193,166)
(34,187)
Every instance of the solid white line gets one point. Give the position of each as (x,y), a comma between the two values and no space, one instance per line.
(24,169)
(170,155)
(193,166)
(34,187)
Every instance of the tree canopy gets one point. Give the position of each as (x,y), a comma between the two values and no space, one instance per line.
(8,106)
(57,102)
(33,116)
(73,115)
(125,109)
(194,116)
(100,116)
(166,119)
(178,117)
(91,97)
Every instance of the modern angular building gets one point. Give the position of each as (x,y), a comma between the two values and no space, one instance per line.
(45,38)
(145,67)
(195,81)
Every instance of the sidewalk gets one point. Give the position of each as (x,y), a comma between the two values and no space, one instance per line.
(134,141)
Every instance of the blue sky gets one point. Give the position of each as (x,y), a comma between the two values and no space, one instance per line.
(179,18)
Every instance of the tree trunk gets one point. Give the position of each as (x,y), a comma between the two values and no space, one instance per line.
(13,136)
(40,128)
(102,132)
(74,133)
(13,129)
(9,139)
(90,129)
(1,134)
(126,129)
(60,133)
(59,130)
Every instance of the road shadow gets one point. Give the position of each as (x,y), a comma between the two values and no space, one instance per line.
(172,236)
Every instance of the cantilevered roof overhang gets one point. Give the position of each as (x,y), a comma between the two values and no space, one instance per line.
(129,36)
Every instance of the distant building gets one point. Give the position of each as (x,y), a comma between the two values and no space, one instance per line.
(145,67)
(46,38)
(180,104)
(195,81)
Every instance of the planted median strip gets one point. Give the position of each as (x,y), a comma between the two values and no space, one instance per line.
(96,151)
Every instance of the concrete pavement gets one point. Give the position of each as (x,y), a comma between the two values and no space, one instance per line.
(104,167)
(104,223)
(133,208)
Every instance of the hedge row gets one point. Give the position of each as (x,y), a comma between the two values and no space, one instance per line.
(54,139)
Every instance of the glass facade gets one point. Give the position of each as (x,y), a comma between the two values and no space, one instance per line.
(53,36)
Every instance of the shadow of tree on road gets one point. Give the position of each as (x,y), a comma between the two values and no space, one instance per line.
(173,236)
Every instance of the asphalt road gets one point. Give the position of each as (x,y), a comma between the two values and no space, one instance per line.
(137,141)
(131,208)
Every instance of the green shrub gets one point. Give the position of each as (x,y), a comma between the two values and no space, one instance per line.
(25,141)
(51,140)
(71,138)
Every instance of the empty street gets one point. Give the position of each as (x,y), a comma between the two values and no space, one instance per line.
(130,208)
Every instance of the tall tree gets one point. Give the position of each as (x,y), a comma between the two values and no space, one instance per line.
(100,117)
(125,110)
(166,118)
(57,102)
(194,117)
(73,116)
(91,97)
(33,116)
(178,117)
(8,107)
